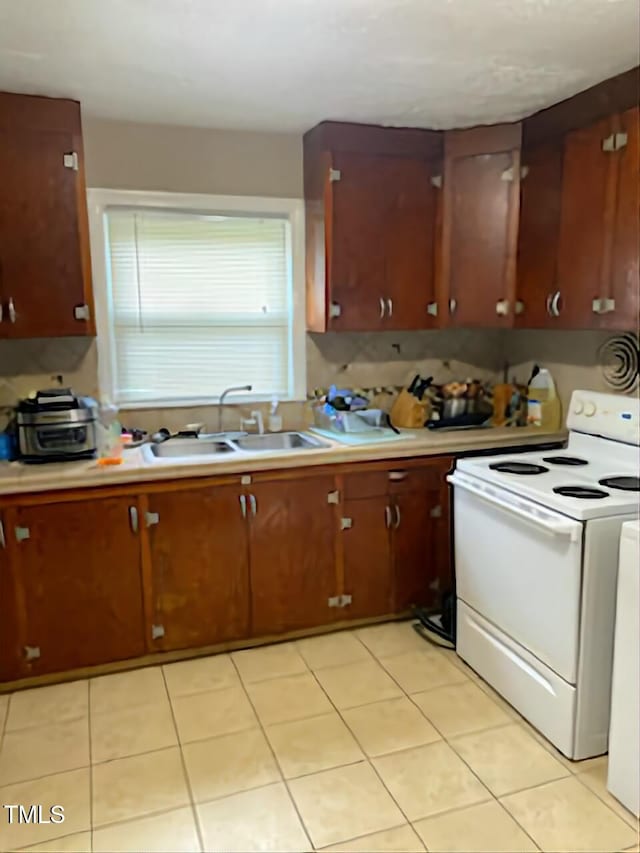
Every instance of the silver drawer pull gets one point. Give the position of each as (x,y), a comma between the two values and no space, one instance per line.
(397,476)
(12,311)
(381,308)
(133,518)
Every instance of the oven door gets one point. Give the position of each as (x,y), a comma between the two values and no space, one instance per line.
(519,565)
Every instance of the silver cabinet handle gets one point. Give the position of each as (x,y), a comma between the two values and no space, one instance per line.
(12,310)
(453,304)
(553,307)
(381,308)
(390,307)
(243,506)
(398,476)
(133,518)
(398,516)
(253,504)
(3,541)
(1,312)
(387,516)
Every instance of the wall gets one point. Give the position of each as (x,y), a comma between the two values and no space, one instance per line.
(124,155)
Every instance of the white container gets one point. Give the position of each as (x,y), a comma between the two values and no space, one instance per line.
(543,405)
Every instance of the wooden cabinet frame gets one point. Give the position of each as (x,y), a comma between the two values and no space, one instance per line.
(140,498)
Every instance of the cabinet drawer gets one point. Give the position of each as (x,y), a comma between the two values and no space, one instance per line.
(368,484)
(402,480)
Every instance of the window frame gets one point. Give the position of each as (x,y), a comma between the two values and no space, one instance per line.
(100,200)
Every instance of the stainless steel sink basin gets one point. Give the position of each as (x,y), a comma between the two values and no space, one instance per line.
(176,448)
(279,441)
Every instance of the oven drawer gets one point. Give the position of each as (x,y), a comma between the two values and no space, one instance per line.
(543,698)
(519,565)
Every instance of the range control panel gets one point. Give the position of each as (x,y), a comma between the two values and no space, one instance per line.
(614,416)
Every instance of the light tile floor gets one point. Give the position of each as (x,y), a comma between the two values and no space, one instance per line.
(364,740)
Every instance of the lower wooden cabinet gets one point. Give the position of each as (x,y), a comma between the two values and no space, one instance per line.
(292,552)
(396,545)
(79,584)
(92,579)
(10,652)
(199,567)
(368,569)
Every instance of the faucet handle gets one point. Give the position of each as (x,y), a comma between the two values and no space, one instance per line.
(255,420)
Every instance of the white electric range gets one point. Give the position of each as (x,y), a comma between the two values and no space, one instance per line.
(536,544)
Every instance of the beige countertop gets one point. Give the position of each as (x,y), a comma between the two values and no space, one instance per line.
(16,478)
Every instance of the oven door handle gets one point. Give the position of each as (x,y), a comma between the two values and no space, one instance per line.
(538,519)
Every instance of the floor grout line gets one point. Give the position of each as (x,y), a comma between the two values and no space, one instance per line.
(275,758)
(605,803)
(90,764)
(476,680)
(368,759)
(183,762)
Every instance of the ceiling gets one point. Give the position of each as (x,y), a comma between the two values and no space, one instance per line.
(284,65)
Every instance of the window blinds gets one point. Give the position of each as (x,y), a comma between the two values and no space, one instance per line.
(198,303)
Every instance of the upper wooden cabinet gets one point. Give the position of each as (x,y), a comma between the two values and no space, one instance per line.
(597,276)
(45,269)
(370,219)
(622,284)
(540,202)
(480,204)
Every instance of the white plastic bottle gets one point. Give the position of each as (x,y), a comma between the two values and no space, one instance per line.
(543,404)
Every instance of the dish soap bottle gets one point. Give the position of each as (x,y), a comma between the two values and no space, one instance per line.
(543,405)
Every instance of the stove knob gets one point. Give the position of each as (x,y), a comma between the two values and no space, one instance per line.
(590,409)
(578,408)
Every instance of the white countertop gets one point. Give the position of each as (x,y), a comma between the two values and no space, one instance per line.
(16,478)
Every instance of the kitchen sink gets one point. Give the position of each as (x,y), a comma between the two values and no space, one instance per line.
(194,448)
(280,441)
(177,448)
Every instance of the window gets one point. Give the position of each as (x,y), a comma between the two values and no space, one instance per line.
(195,294)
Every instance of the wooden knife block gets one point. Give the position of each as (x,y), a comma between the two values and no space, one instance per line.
(408,412)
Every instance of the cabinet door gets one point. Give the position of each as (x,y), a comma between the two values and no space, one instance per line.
(585,224)
(540,202)
(367,557)
(44,248)
(10,652)
(292,541)
(625,262)
(480,225)
(355,226)
(199,558)
(417,549)
(409,243)
(79,570)
(381,242)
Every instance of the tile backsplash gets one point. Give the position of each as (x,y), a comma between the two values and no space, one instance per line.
(376,359)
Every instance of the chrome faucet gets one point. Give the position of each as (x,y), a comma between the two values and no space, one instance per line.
(226,391)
